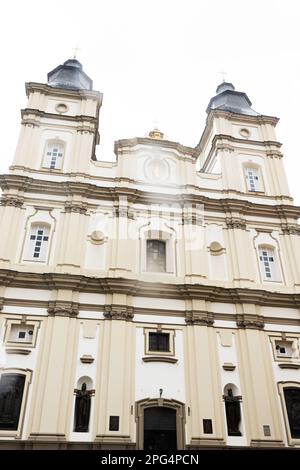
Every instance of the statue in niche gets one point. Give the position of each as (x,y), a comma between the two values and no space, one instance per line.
(233,414)
(82,409)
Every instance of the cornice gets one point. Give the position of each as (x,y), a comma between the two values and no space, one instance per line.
(81,283)
(64,117)
(133,195)
(62,92)
(129,143)
(225,142)
(242,118)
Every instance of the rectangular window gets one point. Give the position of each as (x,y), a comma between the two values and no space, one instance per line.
(267,261)
(53,156)
(114,423)
(156,256)
(207,426)
(38,242)
(159,342)
(253,180)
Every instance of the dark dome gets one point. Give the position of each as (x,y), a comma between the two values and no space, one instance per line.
(70,75)
(227,99)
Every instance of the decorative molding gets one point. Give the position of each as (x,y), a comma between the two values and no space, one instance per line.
(289,365)
(233,223)
(118,312)
(92,191)
(75,207)
(109,285)
(199,318)
(63,309)
(87,359)
(171,360)
(228,366)
(290,229)
(22,351)
(250,321)
(11,201)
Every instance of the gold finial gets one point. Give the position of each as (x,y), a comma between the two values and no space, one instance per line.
(223,75)
(156,134)
(75,49)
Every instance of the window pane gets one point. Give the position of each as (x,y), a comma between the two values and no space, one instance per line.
(159,342)
(11,394)
(156,256)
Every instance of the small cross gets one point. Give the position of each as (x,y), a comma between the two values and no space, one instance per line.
(223,75)
(75,49)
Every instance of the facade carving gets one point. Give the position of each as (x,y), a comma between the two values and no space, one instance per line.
(191,255)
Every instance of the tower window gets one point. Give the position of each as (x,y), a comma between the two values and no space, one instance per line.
(253,179)
(159,341)
(38,242)
(156,256)
(54,156)
(268,264)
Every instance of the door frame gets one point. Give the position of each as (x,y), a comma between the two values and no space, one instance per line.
(176,405)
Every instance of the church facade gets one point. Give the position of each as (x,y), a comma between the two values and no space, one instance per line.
(153,302)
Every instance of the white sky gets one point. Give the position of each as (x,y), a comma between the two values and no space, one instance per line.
(158,61)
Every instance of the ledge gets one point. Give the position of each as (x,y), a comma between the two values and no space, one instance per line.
(289,365)
(171,360)
(228,366)
(87,359)
(24,352)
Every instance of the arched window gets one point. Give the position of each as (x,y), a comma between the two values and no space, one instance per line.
(54,154)
(156,256)
(253,178)
(11,395)
(268,263)
(292,402)
(38,242)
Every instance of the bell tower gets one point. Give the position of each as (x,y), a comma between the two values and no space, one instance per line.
(60,124)
(241,144)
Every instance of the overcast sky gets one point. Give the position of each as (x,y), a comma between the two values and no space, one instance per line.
(157,60)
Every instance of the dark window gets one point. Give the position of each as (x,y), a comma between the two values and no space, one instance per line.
(22,334)
(207,426)
(11,393)
(292,400)
(114,423)
(156,256)
(159,342)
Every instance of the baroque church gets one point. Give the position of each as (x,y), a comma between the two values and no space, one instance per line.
(152,302)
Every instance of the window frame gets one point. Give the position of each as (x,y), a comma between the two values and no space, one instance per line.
(287,359)
(161,243)
(10,322)
(17,433)
(49,146)
(275,269)
(170,250)
(150,352)
(29,250)
(292,441)
(260,182)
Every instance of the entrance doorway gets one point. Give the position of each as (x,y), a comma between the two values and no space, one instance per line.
(160,429)
(160,424)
